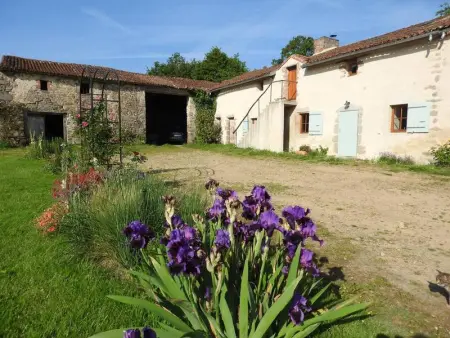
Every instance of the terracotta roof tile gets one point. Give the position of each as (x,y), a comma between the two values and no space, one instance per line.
(18,64)
(253,75)
(398,35)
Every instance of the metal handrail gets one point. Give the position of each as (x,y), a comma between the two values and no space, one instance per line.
(260,96)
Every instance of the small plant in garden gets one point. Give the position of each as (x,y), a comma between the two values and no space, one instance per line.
(51,218)
(240,270)
(391,158)
(306,148)
(98,136)
(441,154)
(138,157)
(75,183)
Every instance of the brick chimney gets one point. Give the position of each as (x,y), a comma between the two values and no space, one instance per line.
(324,43)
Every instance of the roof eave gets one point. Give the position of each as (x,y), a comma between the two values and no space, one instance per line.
(243,82)
(363,51)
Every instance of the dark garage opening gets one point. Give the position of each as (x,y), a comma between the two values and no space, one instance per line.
(48,125)
(166,120)
(54,126)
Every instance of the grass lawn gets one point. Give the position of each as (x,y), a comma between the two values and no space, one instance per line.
(44,290)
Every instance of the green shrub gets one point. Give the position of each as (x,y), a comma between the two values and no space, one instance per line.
(99,137)
(319,152)
(306,148)
(95,222)
(391,158)
(206,130)
(441,155)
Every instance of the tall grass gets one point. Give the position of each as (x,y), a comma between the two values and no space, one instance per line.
(94,225)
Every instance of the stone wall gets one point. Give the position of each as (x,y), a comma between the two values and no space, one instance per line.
(12,129)
(62,97)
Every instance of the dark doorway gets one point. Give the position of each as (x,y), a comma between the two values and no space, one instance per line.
(166,120)
(47,125)
(54,126)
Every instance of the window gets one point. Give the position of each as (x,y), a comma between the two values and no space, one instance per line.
(84,88)
(352,67)
(399,118)
(43,84)
(304,123)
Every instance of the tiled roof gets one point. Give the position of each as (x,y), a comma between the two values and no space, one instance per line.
(249,76)
(396,36)
(18,64)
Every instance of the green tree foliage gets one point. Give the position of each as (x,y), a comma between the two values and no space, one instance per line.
(176,66)
(206,130)
(216,66)
(444,9)
(299,44)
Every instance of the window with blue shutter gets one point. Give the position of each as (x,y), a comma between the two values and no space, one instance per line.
(418,120)
(245,125)
(315,123)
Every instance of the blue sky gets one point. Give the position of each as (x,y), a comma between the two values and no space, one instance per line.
(133,34)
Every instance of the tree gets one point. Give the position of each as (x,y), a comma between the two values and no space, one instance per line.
(444,9)
(303,45)
(216,66)
(176,66)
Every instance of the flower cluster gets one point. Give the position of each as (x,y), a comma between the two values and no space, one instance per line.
(136,333)
(50,219)
(211,246)
(75,182)
(298,309)
(257,202)
(138,234)
(184,251)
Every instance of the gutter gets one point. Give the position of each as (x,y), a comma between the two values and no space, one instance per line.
(362,51)
(243,82)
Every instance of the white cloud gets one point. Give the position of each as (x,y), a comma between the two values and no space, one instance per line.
(106,20)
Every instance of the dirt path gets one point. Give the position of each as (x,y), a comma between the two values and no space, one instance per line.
(401,220)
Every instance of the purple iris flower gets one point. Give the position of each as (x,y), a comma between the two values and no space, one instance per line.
(308,229)
(247,231)
(291,240)
(298,309)
(222,241)
(132,333)
(138,234)
(208,294)
(217,210)
(285,270)
(183,247)
(293,214)
(260,194)
(227,194)
(148,333)
(249,207)
(269,221)
(306,261)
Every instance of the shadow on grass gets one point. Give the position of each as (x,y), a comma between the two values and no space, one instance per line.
(441,290)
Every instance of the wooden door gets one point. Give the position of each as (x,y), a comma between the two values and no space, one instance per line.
(292,83)
(36,125)
(348,133)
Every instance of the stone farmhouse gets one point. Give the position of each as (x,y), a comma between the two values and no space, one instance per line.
(390,93)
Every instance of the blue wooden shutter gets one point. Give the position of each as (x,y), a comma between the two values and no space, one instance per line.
(418,119)
(315,123)
(245,125)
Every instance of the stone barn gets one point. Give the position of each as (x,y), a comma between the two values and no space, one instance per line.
(152,107)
